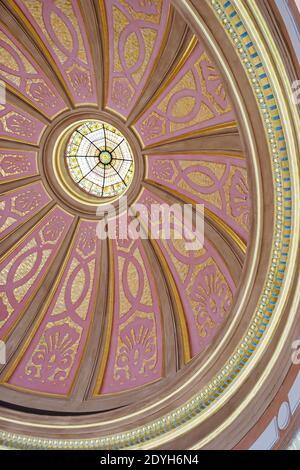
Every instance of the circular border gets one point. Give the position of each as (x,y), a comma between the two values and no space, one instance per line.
(62,172)
(60,183)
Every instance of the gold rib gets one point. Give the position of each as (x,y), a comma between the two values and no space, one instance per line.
(186,55)
(16,229)
(175,295)
(227,229)
(208,153)
(157,59)
(92,56)
(105,50)
(177,299)
(42,47)
(159,304)
(25,99)
(110,311)
(20,141)
(38,180)
(96,281)
(208,213)
(27,234)
(213,130)
(13,248)
(38,321)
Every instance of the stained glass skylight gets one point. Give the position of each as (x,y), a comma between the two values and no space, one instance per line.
(99,159)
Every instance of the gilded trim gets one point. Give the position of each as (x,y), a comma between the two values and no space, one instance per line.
(110,318)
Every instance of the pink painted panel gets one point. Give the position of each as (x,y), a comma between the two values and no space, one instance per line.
(135,32)
(135,356)
(23,270)
(15,164)
(54,355)
(219,182)
(194,100)
(203,281)
(18,206)
(62,30)
(16,124)
(20,71)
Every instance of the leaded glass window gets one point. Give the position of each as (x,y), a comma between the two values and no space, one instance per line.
(99,159)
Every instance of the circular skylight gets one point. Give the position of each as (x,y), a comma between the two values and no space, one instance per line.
(99,159)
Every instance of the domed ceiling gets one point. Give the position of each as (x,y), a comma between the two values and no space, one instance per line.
(136,342)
